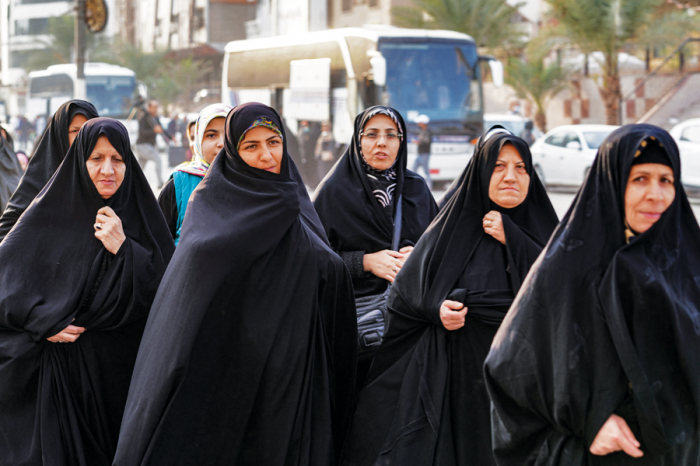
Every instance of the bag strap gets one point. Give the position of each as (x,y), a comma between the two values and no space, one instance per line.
(397,226)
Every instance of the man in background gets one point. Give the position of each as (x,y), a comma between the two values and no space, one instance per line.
(425,138)
(146,149)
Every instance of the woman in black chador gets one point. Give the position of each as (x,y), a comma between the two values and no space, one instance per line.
(425,402)
(10,169)
(357,203)
(50,150)
(78,274)
(249,354)
(598,361)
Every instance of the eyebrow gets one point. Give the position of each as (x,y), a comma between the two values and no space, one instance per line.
(377,129)
(251,141)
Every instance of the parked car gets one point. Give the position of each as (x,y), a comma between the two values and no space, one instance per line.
(564,155)
(687,136)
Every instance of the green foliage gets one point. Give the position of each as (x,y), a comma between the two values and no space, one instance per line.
(535,79)
(489,22)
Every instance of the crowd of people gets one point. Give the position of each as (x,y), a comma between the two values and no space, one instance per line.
(235,320)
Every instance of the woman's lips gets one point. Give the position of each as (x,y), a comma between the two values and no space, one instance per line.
(651,215)
(270,169)
(381,155)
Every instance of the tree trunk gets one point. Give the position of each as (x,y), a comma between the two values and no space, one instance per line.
(541,119)
(611,94)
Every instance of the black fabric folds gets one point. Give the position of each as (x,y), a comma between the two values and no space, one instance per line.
(50,150)
(10,171)
(249,354)
(603,326)
(61,404)
(425,402)
(353,218)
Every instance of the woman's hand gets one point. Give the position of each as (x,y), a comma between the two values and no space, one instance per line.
(452,314)
(108,229)
(384,264)
(68,335)
(616,435)
(406,251)
(493,225)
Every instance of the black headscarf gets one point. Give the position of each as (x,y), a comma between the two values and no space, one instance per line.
(423,404)
(354,218)
(604,326)
(249,354)
(49,152)
(10,171)
(61,404)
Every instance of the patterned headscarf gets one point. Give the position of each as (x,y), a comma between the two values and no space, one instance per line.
(198,166)
(260,122)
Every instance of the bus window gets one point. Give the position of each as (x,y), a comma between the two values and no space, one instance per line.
(40,86)
(437,79)
(111,95)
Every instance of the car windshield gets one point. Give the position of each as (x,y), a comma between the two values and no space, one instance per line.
(432,78)
(111,95)
(595,138)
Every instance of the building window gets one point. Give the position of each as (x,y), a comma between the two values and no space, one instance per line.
(28,2)
(347,5)
(373,3)
(33,26)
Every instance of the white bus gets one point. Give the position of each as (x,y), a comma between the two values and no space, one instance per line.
(335,74)
(110,88)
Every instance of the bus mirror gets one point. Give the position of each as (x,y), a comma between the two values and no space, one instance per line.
(378,70)
(496,72)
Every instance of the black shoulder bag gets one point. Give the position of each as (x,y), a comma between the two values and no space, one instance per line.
(371,310)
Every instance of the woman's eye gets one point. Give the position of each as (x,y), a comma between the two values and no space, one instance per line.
(371,135)
(250,147)
(274,142)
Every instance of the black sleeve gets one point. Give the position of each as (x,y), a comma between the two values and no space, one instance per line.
(168,204)
(353,261)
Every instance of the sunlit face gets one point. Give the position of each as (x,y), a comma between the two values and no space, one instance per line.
(509,182)
(262,148)
(650,191)
(75,124)
(380,142)
(213,140)
(106,168)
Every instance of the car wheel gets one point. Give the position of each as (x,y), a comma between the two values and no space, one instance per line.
(540,174)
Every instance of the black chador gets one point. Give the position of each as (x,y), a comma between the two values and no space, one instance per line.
(425,402)
(605,325)
(10,171)
(62,404)
(249,353)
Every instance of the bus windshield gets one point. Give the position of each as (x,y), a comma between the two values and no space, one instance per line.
(111,95)
(437,79)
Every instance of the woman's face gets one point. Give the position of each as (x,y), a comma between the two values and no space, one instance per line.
(262,148)
(106,168)
(75,124)
(509,182)
(380,142)
(213,140)
(650,191)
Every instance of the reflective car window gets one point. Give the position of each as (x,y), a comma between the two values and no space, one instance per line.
(571,137)
(595,138)
(556,139)
(691,133)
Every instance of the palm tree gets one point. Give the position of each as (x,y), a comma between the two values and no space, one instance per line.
(59,44)
(536,80)
(609,26)
(489,22)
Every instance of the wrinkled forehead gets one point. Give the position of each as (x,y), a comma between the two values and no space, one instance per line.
(380,121)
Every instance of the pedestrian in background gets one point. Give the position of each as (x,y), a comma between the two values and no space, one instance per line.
(598,361)
(174,128)
(526,134)
(249,355)
(425,402)
(78,274)
(425,139)
(208,142)
(325,150)
(146,147)
(358,203)
(49,152)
